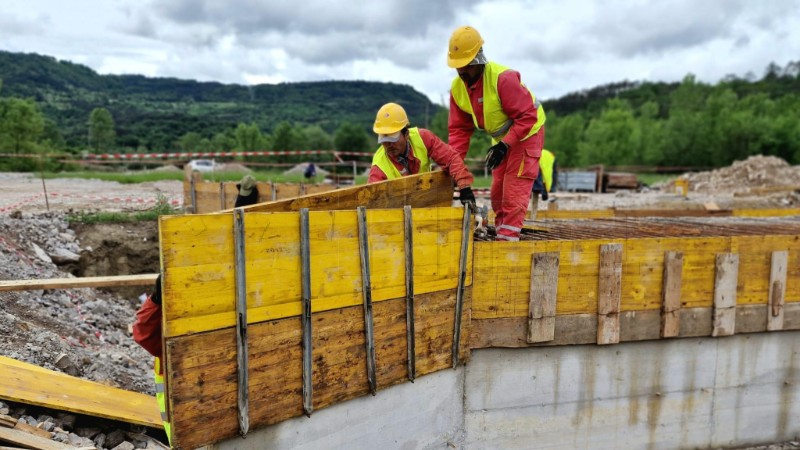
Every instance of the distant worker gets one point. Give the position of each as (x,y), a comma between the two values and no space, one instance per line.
(409,151)
(548,175)
(311,171)
(248,192)
(492,97)
(147,333)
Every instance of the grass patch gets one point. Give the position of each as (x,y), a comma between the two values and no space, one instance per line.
(161,208)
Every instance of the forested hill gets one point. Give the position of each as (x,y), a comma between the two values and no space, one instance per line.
(155,112)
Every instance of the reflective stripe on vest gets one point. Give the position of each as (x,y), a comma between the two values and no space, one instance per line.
(546,166)
(382,160)
(161,398)
(495,120)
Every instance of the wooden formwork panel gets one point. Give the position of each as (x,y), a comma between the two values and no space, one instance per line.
(203,387)
(197,254)
(212,196)
(502,272)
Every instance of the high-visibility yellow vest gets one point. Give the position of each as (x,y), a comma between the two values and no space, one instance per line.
(495,120)
(161,398)
(382,160)
(546,166)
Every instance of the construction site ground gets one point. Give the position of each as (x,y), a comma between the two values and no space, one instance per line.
(86,332)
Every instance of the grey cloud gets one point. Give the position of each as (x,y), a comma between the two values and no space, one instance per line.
(14,26)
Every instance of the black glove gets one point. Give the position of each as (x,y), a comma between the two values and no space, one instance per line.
(467,197)
(495,155)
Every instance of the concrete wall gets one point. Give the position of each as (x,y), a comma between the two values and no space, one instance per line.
(669,394)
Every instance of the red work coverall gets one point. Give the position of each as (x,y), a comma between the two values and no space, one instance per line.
(439,152)
(511,184)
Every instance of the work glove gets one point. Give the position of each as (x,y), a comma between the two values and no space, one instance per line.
(156,297)
(467,197)
(495,155)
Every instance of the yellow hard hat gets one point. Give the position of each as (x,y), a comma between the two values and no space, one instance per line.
(391,118)
(465,43)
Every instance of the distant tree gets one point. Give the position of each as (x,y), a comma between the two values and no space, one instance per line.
(439,124)
(102,135)
(317,139)
(52,137)
(353,138)
(21,124)
(223,142)
(285,137)
(248,137)
(190,142)
(612,137)
(562,135)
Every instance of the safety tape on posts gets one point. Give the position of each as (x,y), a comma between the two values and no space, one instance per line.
(133,156)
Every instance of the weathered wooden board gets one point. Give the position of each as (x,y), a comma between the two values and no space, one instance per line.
(212,196)
(28,440)
(203,386)
(420,191)
(608,300)
(777,290)
(73,283)
(573,329)
(542,306)
(671,307)
(198,263)
(726,275)
(755,263)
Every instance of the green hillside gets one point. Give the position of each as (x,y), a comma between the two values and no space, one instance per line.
(155,112)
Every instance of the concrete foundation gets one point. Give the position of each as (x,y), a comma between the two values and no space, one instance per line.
(667,394)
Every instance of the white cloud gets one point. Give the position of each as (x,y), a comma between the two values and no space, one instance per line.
(559,46)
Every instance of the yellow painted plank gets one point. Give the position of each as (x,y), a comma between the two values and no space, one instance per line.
(755,256)
(766,212)
(34,385)
(199,280)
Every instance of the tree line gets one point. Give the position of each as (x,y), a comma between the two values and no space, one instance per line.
(666,124)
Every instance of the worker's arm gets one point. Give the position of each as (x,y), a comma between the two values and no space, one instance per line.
(460,127)
(447,158)
(147,328)
(518,106)
(376,174)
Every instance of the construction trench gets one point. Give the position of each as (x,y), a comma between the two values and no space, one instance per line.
(619,331)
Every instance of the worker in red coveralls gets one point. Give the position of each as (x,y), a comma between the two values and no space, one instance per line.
(408,151)
(492,97)
(147,333)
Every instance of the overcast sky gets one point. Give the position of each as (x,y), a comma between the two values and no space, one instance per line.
(559,46)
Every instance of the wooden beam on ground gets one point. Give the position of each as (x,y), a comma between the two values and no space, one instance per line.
(671,303)
(420,191)
(777,290)
(726,276)
(609,294)
(33,441)
(34,385)
(544,287)
(75,283)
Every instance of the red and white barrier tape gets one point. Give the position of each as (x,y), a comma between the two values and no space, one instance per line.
(221,154)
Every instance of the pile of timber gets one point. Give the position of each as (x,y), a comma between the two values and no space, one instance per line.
(615,181)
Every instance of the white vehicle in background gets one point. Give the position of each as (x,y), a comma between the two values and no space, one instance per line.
(202,165)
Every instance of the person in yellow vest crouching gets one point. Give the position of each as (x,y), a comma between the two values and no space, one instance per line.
(493,98)
(409,151)
(548,175)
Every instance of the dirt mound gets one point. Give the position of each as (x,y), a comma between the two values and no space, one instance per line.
(755,172)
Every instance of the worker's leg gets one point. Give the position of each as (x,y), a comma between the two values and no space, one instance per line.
(496,192)
(520,170)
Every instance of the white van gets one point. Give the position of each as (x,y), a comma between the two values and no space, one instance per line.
(202,165)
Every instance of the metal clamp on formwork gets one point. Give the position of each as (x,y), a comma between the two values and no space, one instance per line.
(305,261)
(193,193)
(462,278)
(241,322)
(410,339)
(363,244)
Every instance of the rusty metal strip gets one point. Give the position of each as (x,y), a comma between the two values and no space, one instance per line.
(193,193)
(241,322)
(363,244)
(305,262)
(410,338)
(462,278)
(221,195)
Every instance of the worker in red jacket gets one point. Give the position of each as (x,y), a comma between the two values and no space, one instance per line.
(147,333)
(408,151)
(491,97)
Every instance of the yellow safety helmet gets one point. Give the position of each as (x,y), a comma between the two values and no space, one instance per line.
(465,43)
(391,118)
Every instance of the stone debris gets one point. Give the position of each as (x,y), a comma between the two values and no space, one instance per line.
(755,172)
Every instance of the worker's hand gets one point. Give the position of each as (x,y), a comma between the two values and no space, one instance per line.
(467,197)
(495,155)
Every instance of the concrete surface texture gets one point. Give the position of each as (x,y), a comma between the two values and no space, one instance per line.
(669,394)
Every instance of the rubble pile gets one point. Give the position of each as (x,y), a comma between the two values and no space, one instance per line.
(755,172)
(81,332)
